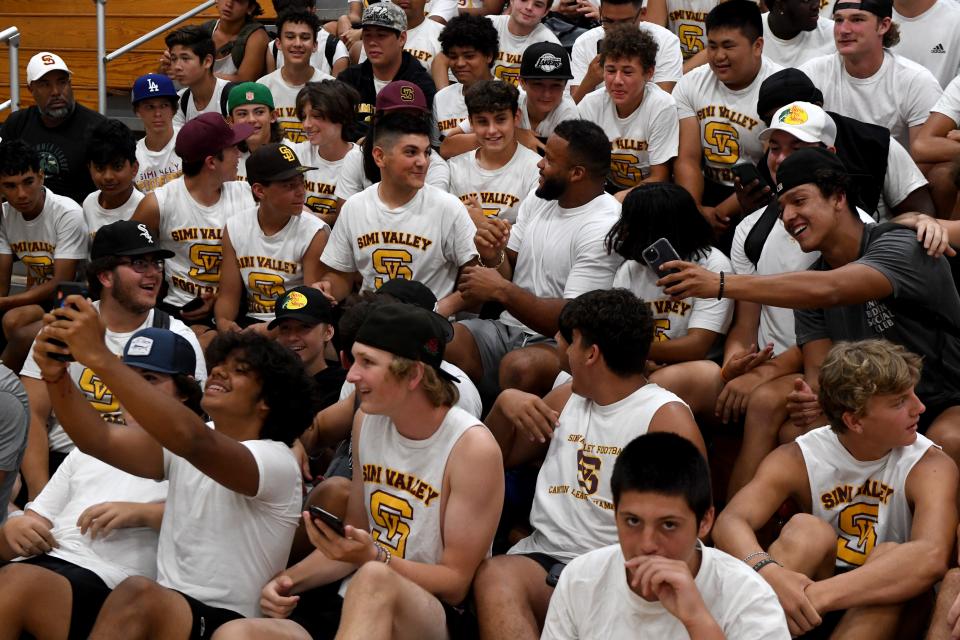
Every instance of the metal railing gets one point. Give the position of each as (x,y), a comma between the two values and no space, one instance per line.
(103,57)
(11,36)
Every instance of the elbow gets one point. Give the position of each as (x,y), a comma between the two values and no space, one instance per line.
(456,593)
(721,530)
(935,563)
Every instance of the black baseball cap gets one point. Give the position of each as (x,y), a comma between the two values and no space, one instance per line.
(410,291)
(306,304)
(784,87)
(274,161)
(545,61)
(408,331)
(126,238)
(880,8)
(160,350)
(801,166)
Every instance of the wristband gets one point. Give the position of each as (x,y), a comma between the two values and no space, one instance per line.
(720,293)
(503,255)
(765,562)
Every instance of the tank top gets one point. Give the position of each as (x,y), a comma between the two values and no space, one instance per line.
(573,506)
(864,501)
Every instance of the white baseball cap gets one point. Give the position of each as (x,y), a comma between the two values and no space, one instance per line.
(43,63)
(804,121)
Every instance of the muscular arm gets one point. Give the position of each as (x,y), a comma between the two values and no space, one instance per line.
(920,200)
(686,170)
(912,567)
(540,314)
(148,212)
(252,65)
(931,144)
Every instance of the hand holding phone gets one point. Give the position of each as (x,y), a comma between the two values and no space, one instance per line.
(657,254)
(328,519)
(63,290)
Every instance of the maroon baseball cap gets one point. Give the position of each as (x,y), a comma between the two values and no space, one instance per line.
(401,94)
(207,135)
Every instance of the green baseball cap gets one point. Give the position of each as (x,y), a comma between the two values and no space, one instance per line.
(249,93)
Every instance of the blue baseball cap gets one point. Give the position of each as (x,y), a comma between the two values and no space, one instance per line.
(160,350)
(152,85)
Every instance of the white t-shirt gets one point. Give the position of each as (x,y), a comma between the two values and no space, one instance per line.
(949,102)
(572,511)
(180,118)
(270,265)
(507,65)
(157,167)
(566,110)
(729,124)
(932,39)
(427,239)
(804,46)
(593,600)
(669,61)
(253,533)
(898,96)
(58,233)
(469,395)
(903,177)
(449,108)
(673,319)
(96,216)
(688,20)
(648,136)
(445,9)
(353,180)
(318,59)
(499,190)
(93,389)
(285,102)
(423,43)
(781,253)
(193,232)
(321,183)
(560,251)
(82,481)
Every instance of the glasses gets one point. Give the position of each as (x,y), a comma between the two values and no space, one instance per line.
(142,265)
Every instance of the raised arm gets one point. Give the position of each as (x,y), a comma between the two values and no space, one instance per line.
(227,306)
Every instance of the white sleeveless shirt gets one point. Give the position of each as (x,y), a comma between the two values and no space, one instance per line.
(573,506)
(193,232)
(864,501)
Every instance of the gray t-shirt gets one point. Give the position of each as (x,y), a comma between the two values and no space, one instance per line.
(14,421)
(922,314)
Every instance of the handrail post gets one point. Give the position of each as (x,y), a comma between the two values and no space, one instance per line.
(101,56)
(11,36)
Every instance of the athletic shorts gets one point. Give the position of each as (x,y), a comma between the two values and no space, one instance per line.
(89,593)
(207,619)
(495,340)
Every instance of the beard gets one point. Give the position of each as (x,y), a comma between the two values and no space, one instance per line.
(125,295)
(59,113)
(551,189)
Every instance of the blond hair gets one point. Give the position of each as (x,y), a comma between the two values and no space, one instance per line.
(854,372)
(440,392)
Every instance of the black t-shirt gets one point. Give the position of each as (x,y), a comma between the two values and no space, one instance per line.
(329,381)
(62,148)
(922,314)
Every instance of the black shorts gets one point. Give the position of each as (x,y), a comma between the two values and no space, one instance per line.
(544,560)
(89,592)
(207,619)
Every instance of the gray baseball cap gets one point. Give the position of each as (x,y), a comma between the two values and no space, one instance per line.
(384,14)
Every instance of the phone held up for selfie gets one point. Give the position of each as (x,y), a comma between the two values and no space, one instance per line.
(659,253)
(63,290)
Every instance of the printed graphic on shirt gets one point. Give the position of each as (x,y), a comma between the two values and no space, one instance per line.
(393,512)
(721,140)
(392,262)
(589,464)
(100,397)
(857,520)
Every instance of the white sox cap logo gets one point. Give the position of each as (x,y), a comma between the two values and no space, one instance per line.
(145,232)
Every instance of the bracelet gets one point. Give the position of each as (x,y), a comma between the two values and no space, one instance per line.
(755,554)
(383,554)
(765,562)
(720,293)
(503,255)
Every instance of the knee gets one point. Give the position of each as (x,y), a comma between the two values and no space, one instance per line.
(527,369)
(809,533)
(374,578)
(331,495)
(766,399)
(236,630)
(135,590)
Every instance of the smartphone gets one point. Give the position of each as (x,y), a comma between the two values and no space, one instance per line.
(63,290)
(553,577)
(747,173)
(328,519)
(193,305)
(658,253)
(599,46)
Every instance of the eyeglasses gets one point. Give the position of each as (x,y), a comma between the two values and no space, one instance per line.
(142,265)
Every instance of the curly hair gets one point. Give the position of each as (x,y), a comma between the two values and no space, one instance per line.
(286,388)
(615,320)
(16,157)
(660,210)
(110,141)
(490,96)
(587,145)
(477,32)
(623,41)
(854,372)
